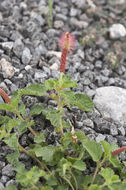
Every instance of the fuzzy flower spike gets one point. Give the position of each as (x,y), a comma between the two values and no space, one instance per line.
(67,44)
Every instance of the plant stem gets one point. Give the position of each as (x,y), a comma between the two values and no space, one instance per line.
(99,165)
(21,118)
(95,173)
(43,166)
(68,182)
(104,184)
(61,128)
(76,184)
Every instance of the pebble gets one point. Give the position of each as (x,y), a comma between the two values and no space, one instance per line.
(111,102)
(58,24)
(78,23)
(121,131)
(88,123)
(18,47)
(7,68)
(8,171)
(4,179)
(39,75)
(28,67)
(26,56)
(100,137)
(113,130)
(1,186)
(117,31)
(7,46)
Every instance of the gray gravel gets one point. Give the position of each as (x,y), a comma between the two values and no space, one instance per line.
(29,53)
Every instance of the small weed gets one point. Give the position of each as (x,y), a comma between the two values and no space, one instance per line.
(65,166)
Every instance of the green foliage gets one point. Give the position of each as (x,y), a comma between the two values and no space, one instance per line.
(50,13)
(66,165)
(94,149)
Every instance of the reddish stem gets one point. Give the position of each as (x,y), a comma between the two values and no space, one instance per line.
(63,60)
(5,96)
(118,151)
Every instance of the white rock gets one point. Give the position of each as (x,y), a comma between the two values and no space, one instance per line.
(28,67)
(6,68)
(56,53)
(54,66)
(111,103)
(117,31)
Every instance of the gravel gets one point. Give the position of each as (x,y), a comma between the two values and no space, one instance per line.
(29,53)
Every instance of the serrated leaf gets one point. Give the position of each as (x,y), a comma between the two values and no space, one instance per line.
(84,102)
(36,110)
(22,127)
(109,176)
(6,107)
(22,110)
(69,98)
(50,180)
(39,138)
(12,141)
(79,165)
(51,84)
(53,115)
(45,152)
(94,149)
(13,157)
(34,89)
(4,119)
(29,177)
(67,82)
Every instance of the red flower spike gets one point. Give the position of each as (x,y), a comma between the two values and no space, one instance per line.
(5,96)
(66,42)
(118,151)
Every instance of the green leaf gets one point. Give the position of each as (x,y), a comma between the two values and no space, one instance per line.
(10,187)
(108,156)
(22,127)
(67,82)
(46,188)
(12,141)
(53,115)
(64,164)
(36,110)
(6,107)
(81,136)
(34,89)
(45,152)
(94,149)
(84,102)
(109,176)
(30,177)
(39,138)
(50,180)
(62,187)
(13,157)
(4,119)
(69,98)
(51,84)
(94,187)
(107,149)
(79,165)
(22,110)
